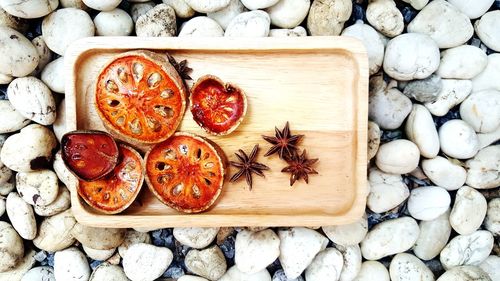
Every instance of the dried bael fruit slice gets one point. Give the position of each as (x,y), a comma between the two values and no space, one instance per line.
(116,191)
(216,106)
(185,172)
(140,97)
(89,155)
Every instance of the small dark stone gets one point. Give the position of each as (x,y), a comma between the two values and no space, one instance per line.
(174,271)
(408,14)
(35,29)
(163,238)
(274,268)
(40,162)
(358,13)
(3,92)
(454,113)
(50,260)
(94,264)
(390,135)
(435,266)
(376,218)
(227,247)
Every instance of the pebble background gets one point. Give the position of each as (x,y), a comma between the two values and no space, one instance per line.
(433,211)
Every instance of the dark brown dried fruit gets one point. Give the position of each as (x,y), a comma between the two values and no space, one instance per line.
(300,167)
(248,166)
(283,142)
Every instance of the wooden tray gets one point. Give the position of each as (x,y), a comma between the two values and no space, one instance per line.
(319,84)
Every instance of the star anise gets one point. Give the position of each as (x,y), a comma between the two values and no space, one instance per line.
(283,142)
(300,167)
(248,166)
(181,67)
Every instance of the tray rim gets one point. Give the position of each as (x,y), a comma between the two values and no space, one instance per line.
(347,45)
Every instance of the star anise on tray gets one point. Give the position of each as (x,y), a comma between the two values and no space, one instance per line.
(182,68)
(248,166)
(283,142)
(299,167)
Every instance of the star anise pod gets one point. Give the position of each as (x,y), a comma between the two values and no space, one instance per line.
(299,167)
(248,166)
(181,67)
(283,142)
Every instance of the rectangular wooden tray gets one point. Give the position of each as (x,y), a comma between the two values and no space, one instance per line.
(319,84)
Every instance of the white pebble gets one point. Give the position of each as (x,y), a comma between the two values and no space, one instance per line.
(65,26)
(209,263)
(11,247)
(71,265)
(116,22)
(224,16)
(327,17)
(99,255)
(452,93)
(19,57)
(444,173)
(298,248)
(372,270)
(473,9)
(44,54)
(488,78)
(59,205)
(195,237)
(408,267)
(488,30)
(38,187)
(434,235)
(133,237)
(298,31)
(29,9)
(465,273)
(428,202)
(420,129)
(347,234)
(389,108)
(139,9)
(387,191)
(100,5)
(491,265)
(352,262)
(157,22)
(234,273)
(249,24)
(469,210)
(264,244)
(53,75)
(259,4)
(182,9)
(108,272)
(21,216)
(201,27)
(444,23)
(144,262)
(11,119)
(462,62)
(398,157)
(458,139)
(385,17)
(389,238)
(54,233)
(470,249)
(481,110)
(327,265)
(411,56)
(288,13)
(492,221)
(207,6)
(40,273)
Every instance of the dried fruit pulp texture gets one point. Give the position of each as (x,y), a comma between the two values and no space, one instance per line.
(137,98)
(90,156)
(215,107)
(117,190)
(185,172)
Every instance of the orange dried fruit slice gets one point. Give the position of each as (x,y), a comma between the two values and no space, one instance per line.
(89,155)
(140,97)
(217,107)
(186,172)
(116,191)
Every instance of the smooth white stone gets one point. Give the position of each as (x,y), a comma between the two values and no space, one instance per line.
(468,211)
(11,119)
(411,56)
(488,30)
(29,9)
(139,9)
(444,173)
(234,273)
(298,31)
(428,202)
(387,191)
(434,235)
(352,262)
(144,262)
(71,265)
(453,93)
(288,13)
(420,129)
(195,237)
(470,249)
(264,244)
(398,157)
(11,247)
(201,27)
(462,62)
(347,234)
(133,237)
(408,267)
(207,6)
(491,265)
(21,216)
(182,9)
(157,22)
(209,263)
(481,110)
(53,75)
(54,233)
(19,56)
(327,265)
(100,5)
(108,272)
(32,99)
(249,24)
(372,270)
(40,273)
(488,78)
(227,14)
(389,238)
(473,9)
(98,238)
(65,26)
(458,139)
(372,42)
(116,22)
(492,221)
(465,273)
(444,23)
(389,108)
(44,54)
(298,248)
(259,4)
(99,255)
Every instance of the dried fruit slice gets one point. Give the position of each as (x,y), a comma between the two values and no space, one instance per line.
(140,97)
(185,172)
(89,155)
(115,192)
(216,106)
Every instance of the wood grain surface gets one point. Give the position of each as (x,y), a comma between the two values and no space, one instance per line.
(318,84)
